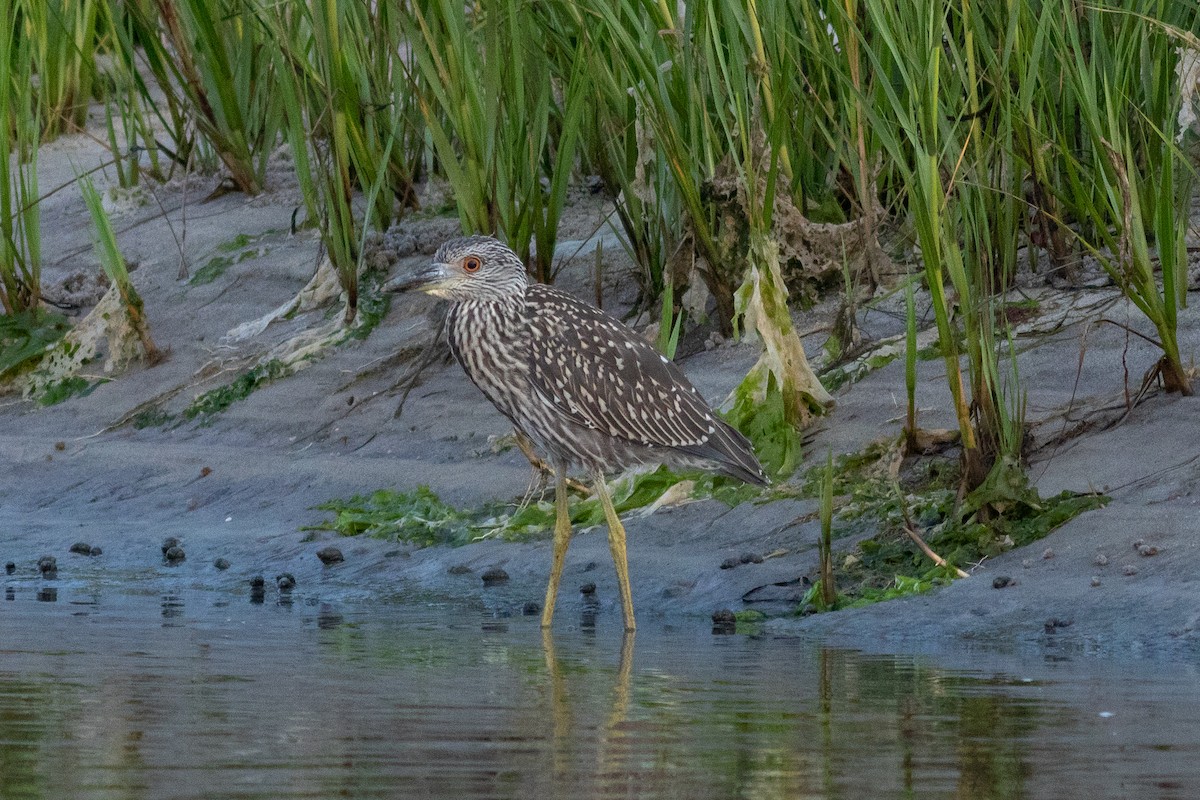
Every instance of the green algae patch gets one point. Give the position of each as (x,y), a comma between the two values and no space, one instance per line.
(238,249)
(887,498)
(25,336)
(419,517)
(422,518)
(217,400)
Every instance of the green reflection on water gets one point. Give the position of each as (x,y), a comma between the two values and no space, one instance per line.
(21,734)
(498,714)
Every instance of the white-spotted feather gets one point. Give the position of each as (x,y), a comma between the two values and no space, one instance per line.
(658,406)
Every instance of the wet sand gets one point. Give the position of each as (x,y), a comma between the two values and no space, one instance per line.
(241,485)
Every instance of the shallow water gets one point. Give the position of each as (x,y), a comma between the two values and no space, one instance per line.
(200,694)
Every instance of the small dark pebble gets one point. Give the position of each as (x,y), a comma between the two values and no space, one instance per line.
(60,446)
(82,548)
(174,554)
(588,588)
(1001,581)
(494,577)
(530,608)
(460,569)
(750,558)
(10,567)
(221,563)
(168,543)
(97,551)
(257,582)
(589,566)
(723,622)
(47,564)
(730,563)
(285,581)
(330,555)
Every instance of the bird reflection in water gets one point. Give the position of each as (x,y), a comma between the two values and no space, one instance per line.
(612,750)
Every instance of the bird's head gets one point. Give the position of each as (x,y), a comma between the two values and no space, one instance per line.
(469,268)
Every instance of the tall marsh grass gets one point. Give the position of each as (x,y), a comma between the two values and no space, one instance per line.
(20,135)
(504,111)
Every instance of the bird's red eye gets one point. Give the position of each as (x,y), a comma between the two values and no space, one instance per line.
(471,264)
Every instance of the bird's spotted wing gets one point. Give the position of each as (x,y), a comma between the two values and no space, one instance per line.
(604,377)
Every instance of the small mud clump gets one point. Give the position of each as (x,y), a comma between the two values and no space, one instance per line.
(10,567)
(1147,550)
(750,558)
(169,542)
(588,588)
(1129,569)
(531,608)
(494,577)
(730,563)
(330,555)
(1100,560)
(174,555)
(48,566)
(83,549)
(1002,582)
(285,581)
(222,564)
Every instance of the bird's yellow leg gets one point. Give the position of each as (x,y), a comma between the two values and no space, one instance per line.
(562,538)
(616,543)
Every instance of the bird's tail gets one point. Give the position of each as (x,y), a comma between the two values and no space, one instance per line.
(731,453)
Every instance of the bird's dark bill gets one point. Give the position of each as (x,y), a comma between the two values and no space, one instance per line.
(418,278)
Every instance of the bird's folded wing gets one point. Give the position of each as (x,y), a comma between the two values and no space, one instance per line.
(604,377)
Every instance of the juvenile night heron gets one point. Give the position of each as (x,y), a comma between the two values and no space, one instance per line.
(583,387)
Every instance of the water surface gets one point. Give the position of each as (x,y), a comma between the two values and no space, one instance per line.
(199,694)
